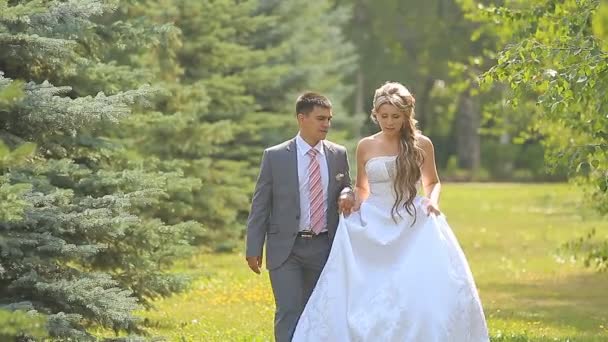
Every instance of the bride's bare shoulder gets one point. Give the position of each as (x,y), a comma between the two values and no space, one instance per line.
(369,140)
(366,143)
(425,144)
(423,140)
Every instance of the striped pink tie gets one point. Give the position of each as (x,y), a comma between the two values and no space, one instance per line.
(315,187)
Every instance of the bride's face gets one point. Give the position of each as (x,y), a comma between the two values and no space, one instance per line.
(390,119)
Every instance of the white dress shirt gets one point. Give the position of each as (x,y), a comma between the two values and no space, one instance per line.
(303,161)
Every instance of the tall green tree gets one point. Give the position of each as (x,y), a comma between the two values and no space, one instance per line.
(312,52)
(17,325)
(230,75)
(207,67)
(75,243)
(556,54)
(414,43)
(14,324)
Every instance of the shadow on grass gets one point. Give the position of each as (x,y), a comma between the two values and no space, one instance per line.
(526,338)
(576,301)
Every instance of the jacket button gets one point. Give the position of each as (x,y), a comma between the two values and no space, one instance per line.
(297,217)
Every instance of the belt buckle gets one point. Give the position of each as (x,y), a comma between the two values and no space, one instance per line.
(307,234)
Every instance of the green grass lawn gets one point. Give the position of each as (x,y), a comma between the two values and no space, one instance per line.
(510,234)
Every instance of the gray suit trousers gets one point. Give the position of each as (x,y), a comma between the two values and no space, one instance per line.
(293,282)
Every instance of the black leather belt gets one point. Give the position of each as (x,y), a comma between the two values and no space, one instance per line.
(307,234)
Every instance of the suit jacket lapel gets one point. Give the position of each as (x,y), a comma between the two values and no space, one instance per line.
(331,166)
(292,165)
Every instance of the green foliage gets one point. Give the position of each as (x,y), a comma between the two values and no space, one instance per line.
(76,243)
(312,52)
(18,324)
(518,162)
(599,25)
(12,204)
(555,56)
(590,249)
(428,47)
(206,78)
(230,73)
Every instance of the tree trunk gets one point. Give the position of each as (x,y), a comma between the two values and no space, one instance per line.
(360,89)
(467,136)
(423,106)
(359,20)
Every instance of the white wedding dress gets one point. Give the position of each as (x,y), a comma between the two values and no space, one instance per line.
(387,281)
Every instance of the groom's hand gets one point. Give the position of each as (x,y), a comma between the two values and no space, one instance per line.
(255,263)
(346,202)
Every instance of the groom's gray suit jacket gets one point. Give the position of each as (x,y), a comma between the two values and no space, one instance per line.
(275,208)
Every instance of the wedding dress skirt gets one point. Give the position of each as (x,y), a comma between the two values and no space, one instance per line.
(387,281)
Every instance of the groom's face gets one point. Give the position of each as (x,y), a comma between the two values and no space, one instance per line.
(315,125)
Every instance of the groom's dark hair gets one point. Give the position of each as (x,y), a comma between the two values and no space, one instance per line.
(306,102)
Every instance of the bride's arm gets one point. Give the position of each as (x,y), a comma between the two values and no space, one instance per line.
(361,185)
(430,179)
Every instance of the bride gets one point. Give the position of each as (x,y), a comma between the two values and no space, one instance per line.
(396,271)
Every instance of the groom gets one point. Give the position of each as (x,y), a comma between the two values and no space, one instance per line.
(302,184)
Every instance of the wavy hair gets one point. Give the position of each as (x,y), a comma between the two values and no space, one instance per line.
(411,156)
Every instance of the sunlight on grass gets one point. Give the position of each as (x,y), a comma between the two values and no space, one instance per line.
(230,304)
(510,233)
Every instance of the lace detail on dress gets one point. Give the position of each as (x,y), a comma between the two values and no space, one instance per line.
(378,317)
(391,168)
(381,171)
(393,281)
(314,326)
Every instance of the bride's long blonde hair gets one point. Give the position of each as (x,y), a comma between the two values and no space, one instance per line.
(411,156)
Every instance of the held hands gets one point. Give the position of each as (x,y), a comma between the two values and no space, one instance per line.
(347,202)
(255,263)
